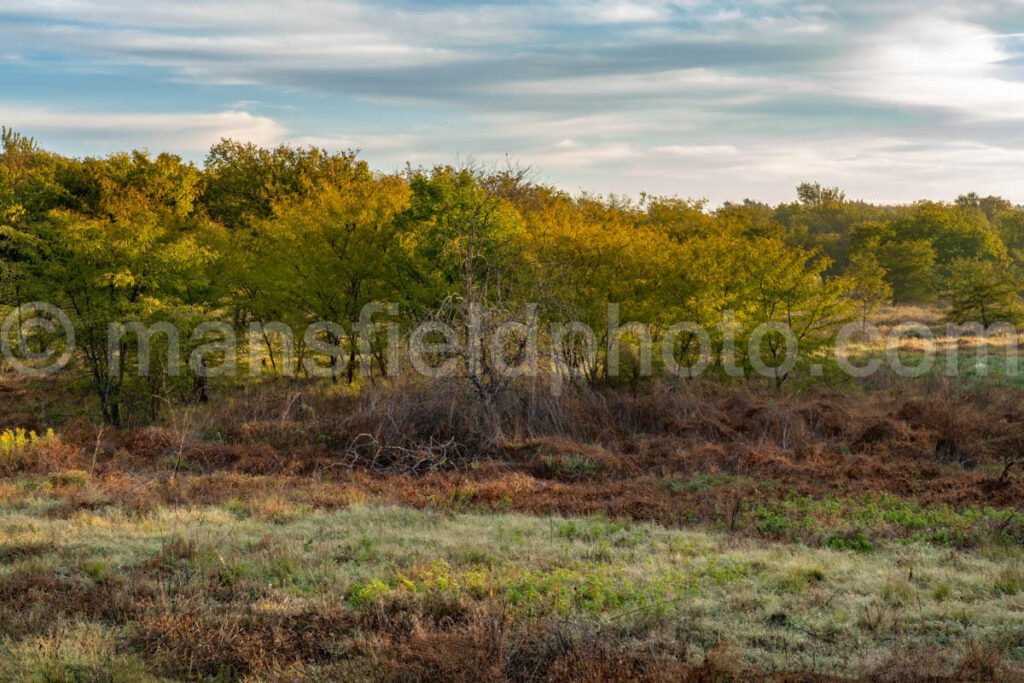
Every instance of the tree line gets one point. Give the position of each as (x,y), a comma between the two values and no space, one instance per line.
(298,235)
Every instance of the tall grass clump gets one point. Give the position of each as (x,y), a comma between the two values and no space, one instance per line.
(18,445)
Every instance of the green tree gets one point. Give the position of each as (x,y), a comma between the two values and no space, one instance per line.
(466,244)
(868,284)
(991,206)
(954,232)
(788,285)
(243,182)
(336,250)
(132,250)
(985,291)
(824,220)
(1010,226)
(817,195)
(911,269)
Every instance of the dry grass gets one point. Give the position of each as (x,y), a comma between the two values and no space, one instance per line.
(392,594)
(690,532)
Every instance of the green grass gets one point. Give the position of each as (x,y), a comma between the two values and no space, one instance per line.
(781,606)
(996,368)
(698,482)
(860,523)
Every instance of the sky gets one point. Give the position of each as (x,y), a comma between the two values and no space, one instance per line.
(891,100)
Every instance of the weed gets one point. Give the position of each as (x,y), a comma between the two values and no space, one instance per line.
(857,542)
(897,592)
(273,508)
(177,548)
(798,579)
(69,479)
(97,569)
(698,482)
(17,444)
(1010,580)
(14,442)
(570,466)
(364,594)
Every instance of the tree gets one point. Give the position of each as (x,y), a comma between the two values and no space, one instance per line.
(31,180)
(678,218)
(991,206)
(749,219)
(953,231)
(868,284)
(985,291)
(1010,227)
(824,220)
(243,182)
(301,235)
(336,250)
(592,252)
(910,269)
(132,250)
(467,256)
(787,285)
(817,195)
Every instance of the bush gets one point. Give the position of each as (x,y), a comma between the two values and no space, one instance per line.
(16,444)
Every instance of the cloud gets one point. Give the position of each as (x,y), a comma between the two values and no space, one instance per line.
(241,41)
(876,169)
(617,12)
(675,96)
(668,83)
(190,132)
(939,63)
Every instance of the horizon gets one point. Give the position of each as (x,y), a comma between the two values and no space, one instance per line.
(688,99)
(532,173)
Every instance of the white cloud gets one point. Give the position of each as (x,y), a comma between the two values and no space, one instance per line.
(692,151)
(668,83)
(249,34)
(189,132)
(545,126)
(559,157)
(376,143)
(935,62)
(618,12)
(882,169)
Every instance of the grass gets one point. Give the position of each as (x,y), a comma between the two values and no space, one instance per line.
(859,522)
(698,482)
(702,533)
(181,575)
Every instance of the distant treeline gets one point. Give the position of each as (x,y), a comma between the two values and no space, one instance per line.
(298,235)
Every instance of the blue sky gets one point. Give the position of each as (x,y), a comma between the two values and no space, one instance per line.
(893,101)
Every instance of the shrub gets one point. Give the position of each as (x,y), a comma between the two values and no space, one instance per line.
(17,444)
(14,442)
(69,479)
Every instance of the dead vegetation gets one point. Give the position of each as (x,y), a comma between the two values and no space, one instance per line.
(753,463)
(930,444)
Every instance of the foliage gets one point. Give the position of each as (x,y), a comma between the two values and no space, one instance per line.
(910,269)
(985,291)
(301,235)
(869,286)
(15,441)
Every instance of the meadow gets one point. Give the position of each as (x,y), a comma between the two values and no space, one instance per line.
(297,531)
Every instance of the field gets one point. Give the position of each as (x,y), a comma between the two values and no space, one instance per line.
(460,341)
(707,531)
